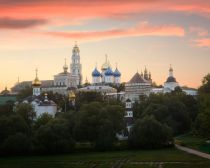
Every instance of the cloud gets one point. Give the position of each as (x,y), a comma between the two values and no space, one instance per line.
(143,29)
(203,42)
(199,31)
(98,8)
(11,23)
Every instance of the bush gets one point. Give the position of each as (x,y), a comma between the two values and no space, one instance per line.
(54,137)
(16,144)
(149,133)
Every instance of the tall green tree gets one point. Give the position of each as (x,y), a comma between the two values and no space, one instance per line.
(149,133)
(202,122)
(98,123)
(26,111)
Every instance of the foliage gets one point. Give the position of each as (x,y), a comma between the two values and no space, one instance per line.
(18,143)
(54,137)
(87,97)
(118,87)
(6,109)
(149,133)
(202,123)
(42,120)
(205,88)
(173,109)
(99,123)
(26,111)
(11,125)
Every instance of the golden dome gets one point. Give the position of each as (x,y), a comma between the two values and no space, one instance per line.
(106,65)
(36,81)
(72,95)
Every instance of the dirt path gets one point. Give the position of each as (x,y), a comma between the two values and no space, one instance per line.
(192,151)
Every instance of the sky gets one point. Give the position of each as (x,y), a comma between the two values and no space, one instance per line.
(134,34)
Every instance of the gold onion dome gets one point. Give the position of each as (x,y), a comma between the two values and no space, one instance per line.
(72,95)
(36,81)
(106,65)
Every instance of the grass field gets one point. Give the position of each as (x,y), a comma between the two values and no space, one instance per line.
(166,158)
(194,142)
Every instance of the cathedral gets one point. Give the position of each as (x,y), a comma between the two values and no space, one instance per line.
(41,104)
(65,80)
(106,76)
(139,85)
(62,81)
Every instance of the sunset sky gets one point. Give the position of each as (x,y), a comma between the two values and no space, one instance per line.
(133,33)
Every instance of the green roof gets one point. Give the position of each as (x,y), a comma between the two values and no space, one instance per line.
(5,98)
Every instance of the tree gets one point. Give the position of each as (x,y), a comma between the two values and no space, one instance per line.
(149,133)
(98,123)
(159,111)
(18,143)
(42,120)
(26,111)
(168,109)
(54,137)
(178,117)
(205,87)
(202,123)
(10,125)
(6,109)
(87,97)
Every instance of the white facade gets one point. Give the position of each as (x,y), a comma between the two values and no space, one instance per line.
(41,108)
(117,79)
(98,88)
(41,105)
(36,91)
(171,82)
(109,79)
(96,79)
(192,92)
(137,87)
(75,66)
(65,80)
(106,76)
(56,89)
(170,86)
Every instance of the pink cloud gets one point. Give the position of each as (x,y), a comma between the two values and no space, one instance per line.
(199,31)
(96,8)
(11,23)
(143,29)
(204,42)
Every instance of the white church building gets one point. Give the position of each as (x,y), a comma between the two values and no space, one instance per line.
(106,76)
(41,104)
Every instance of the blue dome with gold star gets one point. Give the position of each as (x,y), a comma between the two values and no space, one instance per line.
(117,73)
(109,72)
(96,73)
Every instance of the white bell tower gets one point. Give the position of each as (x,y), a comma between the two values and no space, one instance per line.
(76,67)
